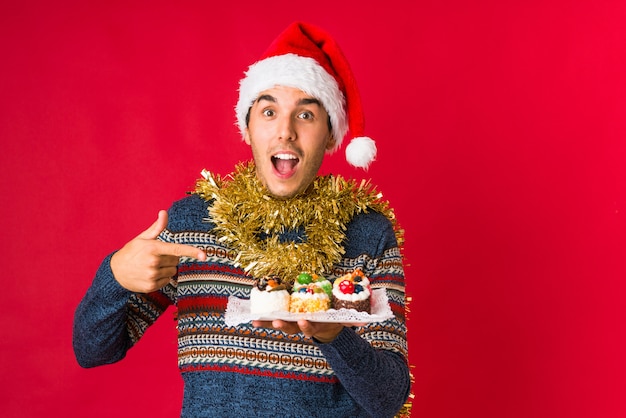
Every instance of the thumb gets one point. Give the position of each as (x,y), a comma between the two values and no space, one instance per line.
(156,228)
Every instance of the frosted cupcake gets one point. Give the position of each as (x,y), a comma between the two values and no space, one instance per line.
(269,294)
(311,293)
(352,291)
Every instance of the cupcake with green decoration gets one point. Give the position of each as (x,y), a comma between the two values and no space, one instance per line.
(311,293)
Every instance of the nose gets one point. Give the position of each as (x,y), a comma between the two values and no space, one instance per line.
(286,131)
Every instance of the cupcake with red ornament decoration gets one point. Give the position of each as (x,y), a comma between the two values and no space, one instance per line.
(311,293)
(352,291)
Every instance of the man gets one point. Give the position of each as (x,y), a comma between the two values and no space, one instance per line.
(273,215)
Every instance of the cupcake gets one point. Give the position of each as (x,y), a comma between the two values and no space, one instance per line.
(311,293)
(352,291)
(269,294)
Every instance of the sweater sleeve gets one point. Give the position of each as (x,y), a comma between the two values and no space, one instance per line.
(372,361)
(110,319)
(99,334)
(378,380)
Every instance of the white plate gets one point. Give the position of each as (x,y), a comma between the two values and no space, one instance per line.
(238,312)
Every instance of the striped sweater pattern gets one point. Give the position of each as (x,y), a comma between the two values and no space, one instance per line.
(239,357)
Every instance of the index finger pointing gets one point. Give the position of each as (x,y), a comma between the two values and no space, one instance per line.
(181,250)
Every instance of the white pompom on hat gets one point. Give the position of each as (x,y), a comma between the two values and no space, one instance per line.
(307,58)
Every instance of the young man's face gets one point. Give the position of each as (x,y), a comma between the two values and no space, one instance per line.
(289,134)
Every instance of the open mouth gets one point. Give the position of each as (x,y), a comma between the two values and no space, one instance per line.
(284,163)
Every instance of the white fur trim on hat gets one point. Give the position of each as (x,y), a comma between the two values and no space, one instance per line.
(361,151)
(303,73)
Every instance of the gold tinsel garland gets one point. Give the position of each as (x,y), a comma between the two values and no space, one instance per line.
(250,221)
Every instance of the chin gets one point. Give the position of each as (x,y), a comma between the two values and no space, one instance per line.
(283,192)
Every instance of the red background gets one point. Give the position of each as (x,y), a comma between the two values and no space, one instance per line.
(501,129)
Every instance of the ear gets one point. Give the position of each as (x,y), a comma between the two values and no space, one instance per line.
(331,142)
(246,136)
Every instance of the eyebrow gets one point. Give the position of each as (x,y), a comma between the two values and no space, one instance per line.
(309,100)
(267,98)
(303,101)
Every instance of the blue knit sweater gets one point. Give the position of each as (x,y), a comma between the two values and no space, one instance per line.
(245,371)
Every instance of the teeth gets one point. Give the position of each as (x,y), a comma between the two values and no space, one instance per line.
(285,156)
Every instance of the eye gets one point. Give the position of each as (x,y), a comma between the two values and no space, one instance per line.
(306,115)
(268,113)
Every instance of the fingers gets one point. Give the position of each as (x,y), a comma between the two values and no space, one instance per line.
(323,332)
(308,328)
(285,326)
(157,284)
(177,250)
(156,228)
(180,250)
(145,264)
(278,324)
(262,324)
(167,272)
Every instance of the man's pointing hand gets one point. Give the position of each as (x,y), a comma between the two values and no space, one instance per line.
(145,264)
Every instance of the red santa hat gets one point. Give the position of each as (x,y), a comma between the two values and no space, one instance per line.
(307,58)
